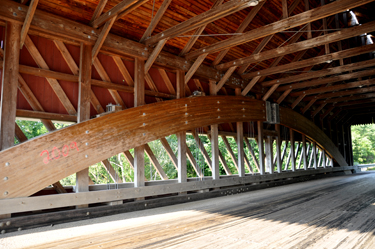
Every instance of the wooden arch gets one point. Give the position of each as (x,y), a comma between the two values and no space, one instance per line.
(44,160)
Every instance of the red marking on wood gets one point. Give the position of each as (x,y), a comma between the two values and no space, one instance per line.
(64,150)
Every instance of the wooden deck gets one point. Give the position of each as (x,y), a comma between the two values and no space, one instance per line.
(336,212)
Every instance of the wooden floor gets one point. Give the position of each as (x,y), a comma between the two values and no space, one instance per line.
(336,212)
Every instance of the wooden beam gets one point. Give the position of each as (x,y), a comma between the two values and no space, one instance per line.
(194,67)
(240,29)
(102,36)
(214,139)
(298,100)
(154,54)
(283,96)
(278,148)
(288,23)
(181,136)
(139,100)
(351,97)
(197,21)
(123,70)
(325,27)
(99,9)
(252,153)
(269,154)
(19,134)
(312,101)
(250,85)
(48,25)
(224,79)
(111,171)
(292,149)
(84,94)
(155,20)
(155,162)
(197,33)
(300,46)
(267,39)
(116,11)
(9,85)
(169,151)
(28,19)
(335,88)
(203,150)
(307,7)
(45,115)
(261,147)
(284,5)
(167,81)
(320,73)
(230,151)
(53,83)
(312,61)
(315,163)
(327,80)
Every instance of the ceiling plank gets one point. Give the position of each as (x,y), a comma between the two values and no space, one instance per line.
(288,23)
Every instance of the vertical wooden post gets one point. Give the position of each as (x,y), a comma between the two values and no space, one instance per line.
(269,154)
(343,141)
(181,137)
(278,148)
(139,100)
(292,144)
(261,147)
(241,160)
(304,150)
(9,85)
(314,156)
(84,89)
(214,141)
(324,159)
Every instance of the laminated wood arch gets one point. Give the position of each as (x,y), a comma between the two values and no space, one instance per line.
(39,162)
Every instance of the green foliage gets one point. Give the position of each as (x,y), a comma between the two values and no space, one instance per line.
(363,137)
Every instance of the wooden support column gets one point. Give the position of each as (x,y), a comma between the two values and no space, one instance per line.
(84,88)
(304,154)
(240,158)
(269,154)
(139,100)
(324,159)
(9,85)
(261,147)
(315,156)
(292,149)
(278,148)
(214,141)
(181,137)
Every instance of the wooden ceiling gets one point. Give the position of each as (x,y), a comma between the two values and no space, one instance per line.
(341,77)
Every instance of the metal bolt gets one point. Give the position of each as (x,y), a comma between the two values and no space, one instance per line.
(218,102)
(162,35)
(185,105)
(6,178)
(86,156)
(290,86)
(2,224)
(6,193)
(244,116)
(186,113)
(14,13)
(7,164)
(186,122)
(89,37)
(218,110)
(8,223)
(144,124)
(87,144)
(204,50)
(258,73)
(19,229)
(144,114)
(278,81)
(87,132)
(109,13)
(92,31)
(2,231)
(88,213)
(145,204)
(20,8)
(218,117)
(144,134)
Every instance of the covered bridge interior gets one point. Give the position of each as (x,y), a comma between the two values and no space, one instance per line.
(278,82)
